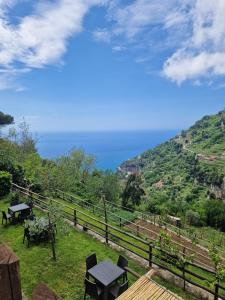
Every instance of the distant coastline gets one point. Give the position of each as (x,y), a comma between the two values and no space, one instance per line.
(110,148)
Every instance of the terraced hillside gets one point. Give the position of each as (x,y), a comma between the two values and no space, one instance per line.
(185,176)
(153,231)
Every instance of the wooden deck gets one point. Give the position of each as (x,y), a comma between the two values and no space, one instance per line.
(145,289)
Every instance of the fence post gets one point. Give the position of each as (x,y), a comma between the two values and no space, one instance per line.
(52,237)
(138,230)
(106,222)
(75,217)
(120,223)
(150,256)
(184,255)
(216,295)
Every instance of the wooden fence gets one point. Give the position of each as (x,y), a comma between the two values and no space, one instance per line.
(143,248)
(139,230)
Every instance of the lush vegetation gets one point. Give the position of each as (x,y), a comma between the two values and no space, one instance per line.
(185,176)
(179,177)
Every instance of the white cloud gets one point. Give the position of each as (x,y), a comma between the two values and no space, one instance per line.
(183,66)
(40,38)
(203,54)
(118,48)
(102,35)
(8,76)
(193,31)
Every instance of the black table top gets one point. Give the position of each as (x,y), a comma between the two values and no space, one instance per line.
(106,272)
(18,207)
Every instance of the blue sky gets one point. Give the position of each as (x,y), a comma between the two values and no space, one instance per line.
(72,65)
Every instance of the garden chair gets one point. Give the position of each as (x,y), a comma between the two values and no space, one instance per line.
(91,261)
(92,289)
(26,235)
(24,214)
(117,289)
(7,217)
(123,263)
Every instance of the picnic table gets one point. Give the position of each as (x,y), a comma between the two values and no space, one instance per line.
(106,273)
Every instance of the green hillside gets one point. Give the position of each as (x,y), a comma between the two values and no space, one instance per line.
(185,175)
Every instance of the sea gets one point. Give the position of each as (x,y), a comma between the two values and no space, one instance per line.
(110,149)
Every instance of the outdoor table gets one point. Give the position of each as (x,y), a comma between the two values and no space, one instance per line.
(18,208)
(106,273)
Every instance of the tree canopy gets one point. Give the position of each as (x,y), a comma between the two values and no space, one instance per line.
(5,119)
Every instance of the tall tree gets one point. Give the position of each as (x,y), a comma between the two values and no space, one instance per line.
(133,191)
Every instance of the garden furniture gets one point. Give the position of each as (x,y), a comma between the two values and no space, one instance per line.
(117,289)
(91,261)
(92,289)
(123,263)
(24,214)
(6,217)
(106,273)
(19,208)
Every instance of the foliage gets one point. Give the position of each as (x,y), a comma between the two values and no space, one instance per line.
(193,218)
(133,191)
(218,263)
(5,183)
(215,213)
(5,119)
(37,226)
(102,183)
(182,175)
(14,198)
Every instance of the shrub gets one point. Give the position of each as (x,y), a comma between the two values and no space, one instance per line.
(5,183)
(14,199)
(193,218)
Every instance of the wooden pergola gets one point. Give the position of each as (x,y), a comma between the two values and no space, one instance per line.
(145,289)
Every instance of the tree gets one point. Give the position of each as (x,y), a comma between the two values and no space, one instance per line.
(5,119)
(103,183)
(133,191)
(5,183)
(215,213)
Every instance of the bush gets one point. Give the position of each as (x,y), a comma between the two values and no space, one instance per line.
(14,199)
(5,183)
(193,218)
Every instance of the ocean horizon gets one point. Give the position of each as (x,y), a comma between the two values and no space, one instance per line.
(110,148)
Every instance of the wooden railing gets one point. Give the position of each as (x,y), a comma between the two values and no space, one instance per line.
(137,229)
(143,248)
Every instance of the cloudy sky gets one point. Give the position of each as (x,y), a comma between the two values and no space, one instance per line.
(111,64)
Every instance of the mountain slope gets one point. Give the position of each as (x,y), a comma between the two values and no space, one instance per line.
(182,173)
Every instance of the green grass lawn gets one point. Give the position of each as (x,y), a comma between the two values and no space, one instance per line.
(66,275)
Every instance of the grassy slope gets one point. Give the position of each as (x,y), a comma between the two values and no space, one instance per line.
(66,275)
(200,272)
